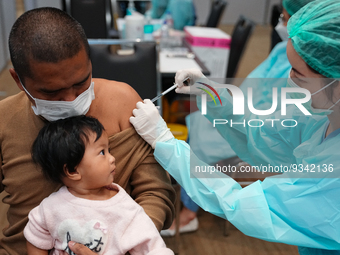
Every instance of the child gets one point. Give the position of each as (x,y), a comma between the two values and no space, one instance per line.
(90,209)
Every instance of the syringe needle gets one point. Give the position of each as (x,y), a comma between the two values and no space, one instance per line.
(168,90)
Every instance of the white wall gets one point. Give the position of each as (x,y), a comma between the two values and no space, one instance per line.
(202,8)
(31,4)
(257,10)
(7,19)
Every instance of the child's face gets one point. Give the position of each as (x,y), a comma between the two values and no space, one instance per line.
(97,168)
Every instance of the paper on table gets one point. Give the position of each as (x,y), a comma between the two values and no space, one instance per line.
(172,65)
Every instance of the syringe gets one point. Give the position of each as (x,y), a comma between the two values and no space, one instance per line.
(168,90)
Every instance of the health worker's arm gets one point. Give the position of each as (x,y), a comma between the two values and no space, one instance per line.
(283,208)
(278,209)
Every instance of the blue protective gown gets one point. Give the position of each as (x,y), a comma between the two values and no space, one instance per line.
(286,208)
(182,12)
(275,66)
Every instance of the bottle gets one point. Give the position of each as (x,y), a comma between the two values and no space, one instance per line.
(164,35)
(169,20)
(148,29)
(165,30)
(131,8)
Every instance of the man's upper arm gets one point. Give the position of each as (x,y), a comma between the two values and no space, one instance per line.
(153,191)
(150,184)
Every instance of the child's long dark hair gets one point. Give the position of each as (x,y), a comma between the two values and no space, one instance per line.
(62,143)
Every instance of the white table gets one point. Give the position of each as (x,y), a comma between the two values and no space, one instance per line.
(168,66)
(170,62)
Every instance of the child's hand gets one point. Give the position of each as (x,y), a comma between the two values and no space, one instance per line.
(79,249)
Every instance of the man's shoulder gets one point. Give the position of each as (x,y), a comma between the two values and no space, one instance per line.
(113,104)
(13,105)
(12,101)
(114,90)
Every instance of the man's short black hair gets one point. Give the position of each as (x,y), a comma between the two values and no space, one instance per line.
(62,143)
(45,35)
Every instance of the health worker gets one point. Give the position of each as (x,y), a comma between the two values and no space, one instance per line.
(301,206)
(272,72)
(182,12)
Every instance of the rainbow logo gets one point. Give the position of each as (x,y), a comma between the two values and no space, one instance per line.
(209,93)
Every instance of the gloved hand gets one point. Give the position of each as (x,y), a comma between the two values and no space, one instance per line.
(149,124)
(193,75)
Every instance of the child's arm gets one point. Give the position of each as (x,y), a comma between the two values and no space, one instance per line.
(142,237)
(36,232)
(32,250)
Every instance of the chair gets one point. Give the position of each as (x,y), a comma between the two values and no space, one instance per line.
(216,12)
(240,36)
(95,16)
(141,6)
(139,69)
(275,15)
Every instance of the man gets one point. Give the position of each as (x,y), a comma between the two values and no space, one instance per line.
(50,56)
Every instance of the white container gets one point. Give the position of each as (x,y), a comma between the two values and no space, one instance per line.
(134,26)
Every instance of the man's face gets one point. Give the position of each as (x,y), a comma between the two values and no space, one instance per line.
(62,81)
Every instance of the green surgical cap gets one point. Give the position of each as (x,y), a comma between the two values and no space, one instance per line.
(315,35)
(292,6)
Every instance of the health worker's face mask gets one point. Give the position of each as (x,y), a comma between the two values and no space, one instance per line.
(55,110)
(308,105)
(282,30)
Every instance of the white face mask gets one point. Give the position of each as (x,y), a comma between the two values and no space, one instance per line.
(308,105)
(55,110)
(282,30)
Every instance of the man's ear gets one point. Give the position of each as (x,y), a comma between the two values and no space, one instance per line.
(16,78)
(74,176)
